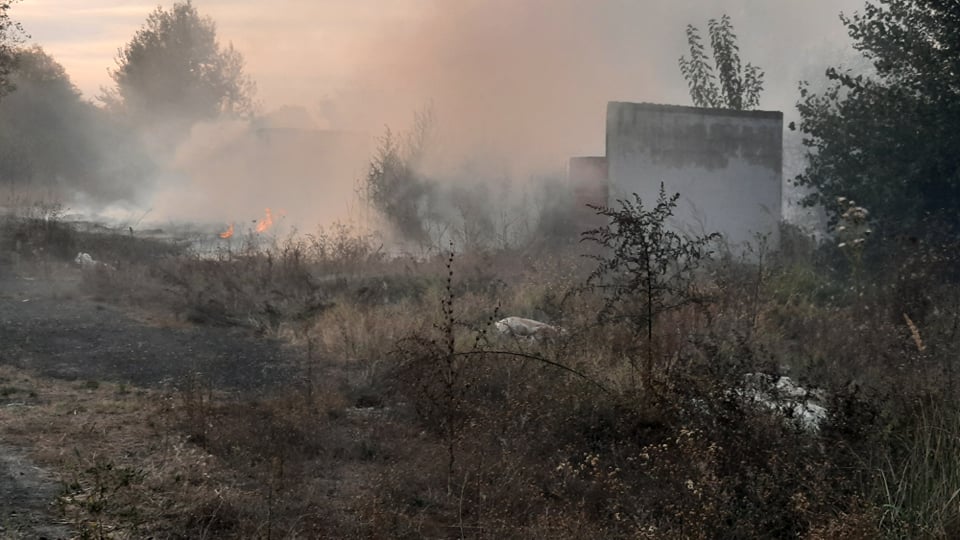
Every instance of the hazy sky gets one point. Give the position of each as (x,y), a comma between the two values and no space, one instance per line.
(305,51)
(296,49)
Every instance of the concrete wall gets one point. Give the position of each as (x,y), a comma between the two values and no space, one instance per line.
(726,165)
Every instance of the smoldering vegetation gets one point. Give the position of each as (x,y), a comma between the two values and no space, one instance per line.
(429,212)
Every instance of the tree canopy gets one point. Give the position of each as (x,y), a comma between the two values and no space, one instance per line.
(11,35)
(726,84)
(175,68)
(889,139)
(51,138)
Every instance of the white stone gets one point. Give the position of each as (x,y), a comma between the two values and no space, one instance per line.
(527,328)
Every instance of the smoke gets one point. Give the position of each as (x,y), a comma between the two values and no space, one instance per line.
(232,171)
(517,86)
(524,81)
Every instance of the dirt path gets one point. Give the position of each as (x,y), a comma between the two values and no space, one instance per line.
(26,493)
(50,327)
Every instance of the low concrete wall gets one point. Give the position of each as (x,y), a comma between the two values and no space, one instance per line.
(726,165)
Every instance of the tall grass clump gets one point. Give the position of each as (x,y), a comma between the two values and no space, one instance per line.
(918,479)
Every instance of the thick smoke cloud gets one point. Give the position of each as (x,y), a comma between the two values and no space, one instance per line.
(517,86)
(531,78)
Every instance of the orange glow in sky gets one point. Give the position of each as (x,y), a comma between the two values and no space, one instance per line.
(305,51)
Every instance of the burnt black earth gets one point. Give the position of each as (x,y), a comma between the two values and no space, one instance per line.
(48,326)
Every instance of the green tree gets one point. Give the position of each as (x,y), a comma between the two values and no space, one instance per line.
(888,139)
(50,137)
(175,69)
(11,35)
(725,84)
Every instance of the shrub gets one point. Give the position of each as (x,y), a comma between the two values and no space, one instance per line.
(648,271)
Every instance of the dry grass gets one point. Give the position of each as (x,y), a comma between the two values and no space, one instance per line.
(123,474)
(413,419)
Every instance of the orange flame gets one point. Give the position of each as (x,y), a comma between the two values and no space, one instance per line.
(227,233)
(266,222)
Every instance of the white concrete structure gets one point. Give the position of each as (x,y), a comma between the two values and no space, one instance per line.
(726,166)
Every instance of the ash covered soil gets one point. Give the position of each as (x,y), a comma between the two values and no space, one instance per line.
(50,327)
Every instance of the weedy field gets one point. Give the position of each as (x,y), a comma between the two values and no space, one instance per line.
(657,410)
